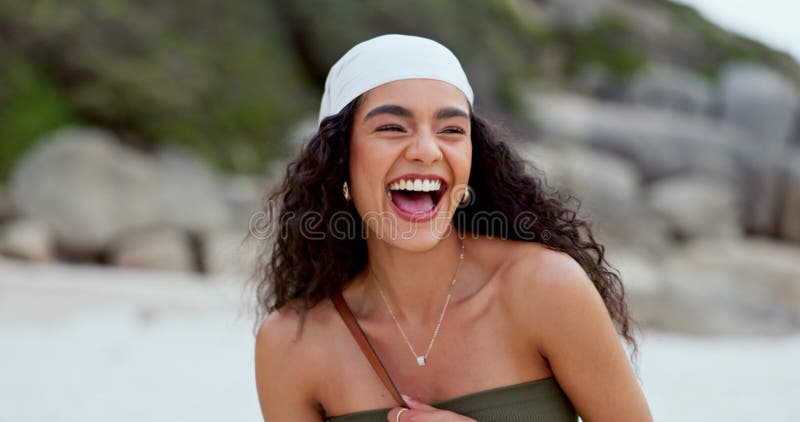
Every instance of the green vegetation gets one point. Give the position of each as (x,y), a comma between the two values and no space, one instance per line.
(32,106)
(217,78)
(723,46)
(605,43)
(230,79)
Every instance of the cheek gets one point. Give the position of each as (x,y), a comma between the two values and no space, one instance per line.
(359,159)
(367,171)
(462,161)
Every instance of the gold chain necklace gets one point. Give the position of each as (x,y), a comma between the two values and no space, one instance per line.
(422,359)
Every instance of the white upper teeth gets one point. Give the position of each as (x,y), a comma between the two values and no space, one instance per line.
(418,185)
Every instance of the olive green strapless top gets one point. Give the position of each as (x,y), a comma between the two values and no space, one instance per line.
(540,400)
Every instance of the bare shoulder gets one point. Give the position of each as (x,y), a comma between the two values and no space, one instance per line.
(532,271)
(287,364)
(532,256)
(538,285)
(556,304)
(292,328)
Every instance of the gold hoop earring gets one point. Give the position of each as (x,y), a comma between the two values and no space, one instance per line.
(346,191)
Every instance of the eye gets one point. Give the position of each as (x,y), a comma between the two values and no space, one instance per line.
(390,128)
(453,129)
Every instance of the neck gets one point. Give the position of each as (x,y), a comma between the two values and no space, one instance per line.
(415,284)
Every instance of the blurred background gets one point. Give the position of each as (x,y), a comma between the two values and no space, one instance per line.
(137,137)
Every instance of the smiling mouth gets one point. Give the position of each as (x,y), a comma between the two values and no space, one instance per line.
(416,196)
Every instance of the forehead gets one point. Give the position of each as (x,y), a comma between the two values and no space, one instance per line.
(415,94)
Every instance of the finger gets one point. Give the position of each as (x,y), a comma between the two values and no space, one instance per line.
(404,417)
(418,405)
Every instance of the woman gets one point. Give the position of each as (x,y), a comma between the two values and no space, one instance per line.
(482,295)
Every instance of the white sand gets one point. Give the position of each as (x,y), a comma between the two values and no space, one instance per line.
(92,344)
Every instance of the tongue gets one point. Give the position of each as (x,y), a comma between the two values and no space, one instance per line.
(413,202)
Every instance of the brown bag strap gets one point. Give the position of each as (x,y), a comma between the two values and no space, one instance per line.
(366,347)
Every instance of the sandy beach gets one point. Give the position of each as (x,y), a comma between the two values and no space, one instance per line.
(82,343)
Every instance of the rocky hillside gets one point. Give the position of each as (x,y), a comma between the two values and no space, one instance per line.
(230,79)
(681,141)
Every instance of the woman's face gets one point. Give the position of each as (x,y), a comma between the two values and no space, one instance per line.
(410,156)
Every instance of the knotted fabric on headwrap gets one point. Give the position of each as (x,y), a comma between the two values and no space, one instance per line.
(385,59)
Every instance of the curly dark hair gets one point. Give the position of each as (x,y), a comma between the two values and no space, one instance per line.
(299,270)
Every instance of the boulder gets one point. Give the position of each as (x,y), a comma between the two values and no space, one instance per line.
(732,287)
(86,186)
(27,239)
(190,194)
(696,206)
(659,143)
(609,191)
(228,252)
(760,100)
(794,138)
(669,87)
(790,214)
(156,247)
(764,180)
(243,195)
(644,284)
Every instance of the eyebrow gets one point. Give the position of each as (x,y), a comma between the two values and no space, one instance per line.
(442,113)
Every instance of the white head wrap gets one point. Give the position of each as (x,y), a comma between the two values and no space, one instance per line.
(385,59)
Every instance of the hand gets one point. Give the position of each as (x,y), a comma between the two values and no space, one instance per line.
(421,412)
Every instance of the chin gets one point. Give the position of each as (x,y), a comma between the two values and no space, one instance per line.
(419,243)
(411,234)
(421,237)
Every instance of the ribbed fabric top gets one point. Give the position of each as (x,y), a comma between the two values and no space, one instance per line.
(540,400)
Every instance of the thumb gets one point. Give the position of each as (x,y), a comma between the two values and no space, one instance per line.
(416,404)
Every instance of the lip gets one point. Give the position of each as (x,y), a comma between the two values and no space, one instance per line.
(421,216)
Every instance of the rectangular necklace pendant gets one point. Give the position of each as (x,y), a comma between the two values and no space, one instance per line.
(421,360)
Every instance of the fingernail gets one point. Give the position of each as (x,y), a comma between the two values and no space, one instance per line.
(406,398)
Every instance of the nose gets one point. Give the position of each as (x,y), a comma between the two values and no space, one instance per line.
(424,148)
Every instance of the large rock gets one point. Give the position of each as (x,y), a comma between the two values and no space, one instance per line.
(90,188)
(759,100)
(86,186)
(790,216)
(747,287)
(190,195)
(794,138)
(608,189)
(27,239)
(696,206)
(659,142)
(643,281)
(670,87)
(244,195)
(229,252)
(157,247)
(664,143)
(765,181)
